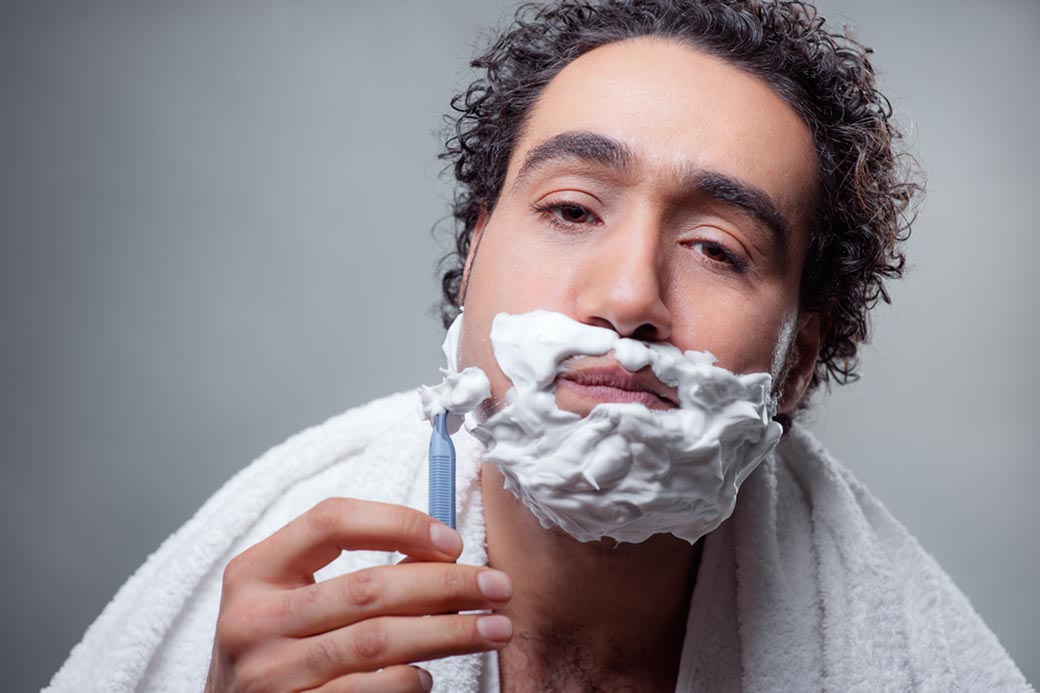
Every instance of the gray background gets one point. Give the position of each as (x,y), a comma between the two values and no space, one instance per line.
(215,230)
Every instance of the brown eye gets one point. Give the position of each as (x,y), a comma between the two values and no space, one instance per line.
(714,251)
(571,214)
(720,256)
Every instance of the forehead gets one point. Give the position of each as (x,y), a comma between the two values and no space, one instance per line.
(679,109)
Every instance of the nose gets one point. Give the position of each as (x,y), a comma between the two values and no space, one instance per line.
(621,286)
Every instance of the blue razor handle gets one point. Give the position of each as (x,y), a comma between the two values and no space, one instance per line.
(442,472)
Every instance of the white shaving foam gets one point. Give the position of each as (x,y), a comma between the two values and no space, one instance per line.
(624,472)
(459,393)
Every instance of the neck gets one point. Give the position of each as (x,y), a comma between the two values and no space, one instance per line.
(587,616)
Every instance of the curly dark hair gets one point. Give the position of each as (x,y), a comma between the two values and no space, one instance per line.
(863,205)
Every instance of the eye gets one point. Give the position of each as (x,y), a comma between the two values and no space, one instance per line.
(567,214)
(712,250)
(718,253)
(572,214)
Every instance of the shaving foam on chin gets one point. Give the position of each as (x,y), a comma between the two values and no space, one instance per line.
(623,472)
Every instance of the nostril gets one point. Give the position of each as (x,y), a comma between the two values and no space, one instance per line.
(646,333)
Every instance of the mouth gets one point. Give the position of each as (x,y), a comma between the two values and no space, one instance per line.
(582,388)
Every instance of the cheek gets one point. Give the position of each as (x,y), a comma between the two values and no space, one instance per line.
(475,343)
(510,272)
(475,350)
(500,281)
(741,333)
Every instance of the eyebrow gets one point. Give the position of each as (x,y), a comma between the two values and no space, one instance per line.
(605,151)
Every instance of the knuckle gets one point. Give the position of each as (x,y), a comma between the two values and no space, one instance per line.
(235,571)
(412,524)
(248,682)
(454,583)
(233,634)
(328,515)
(323,655)
(369,641)
(465,631)
(246,622)
(270,615)
(258,675)
(297,600)
(365,587)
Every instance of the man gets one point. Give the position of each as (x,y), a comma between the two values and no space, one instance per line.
(718,176)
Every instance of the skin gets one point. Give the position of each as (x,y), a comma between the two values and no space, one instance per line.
(635,251)
(628,248)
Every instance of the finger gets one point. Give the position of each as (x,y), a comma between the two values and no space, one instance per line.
(313,540)
(398,679)
(392,640)
(415,589)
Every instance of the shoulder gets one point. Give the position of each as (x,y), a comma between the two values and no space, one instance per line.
(861,547)
(354,428)
(156,632)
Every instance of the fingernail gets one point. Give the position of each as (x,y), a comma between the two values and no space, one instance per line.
(495,585)
(445,538)
(425,680)
(496,628)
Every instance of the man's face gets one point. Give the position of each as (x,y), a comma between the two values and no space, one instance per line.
(662,193)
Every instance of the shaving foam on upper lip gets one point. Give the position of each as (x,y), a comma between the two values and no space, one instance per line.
(624,471)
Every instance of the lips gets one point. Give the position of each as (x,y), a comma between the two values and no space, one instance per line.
(612,383)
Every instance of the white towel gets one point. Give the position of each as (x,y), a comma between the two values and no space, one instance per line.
(811,585)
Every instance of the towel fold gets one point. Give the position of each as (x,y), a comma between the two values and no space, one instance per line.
(810,585)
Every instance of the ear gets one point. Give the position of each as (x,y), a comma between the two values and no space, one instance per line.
(474,244)
(802,362)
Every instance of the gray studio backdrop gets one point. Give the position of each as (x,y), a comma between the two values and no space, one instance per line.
(215,230)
